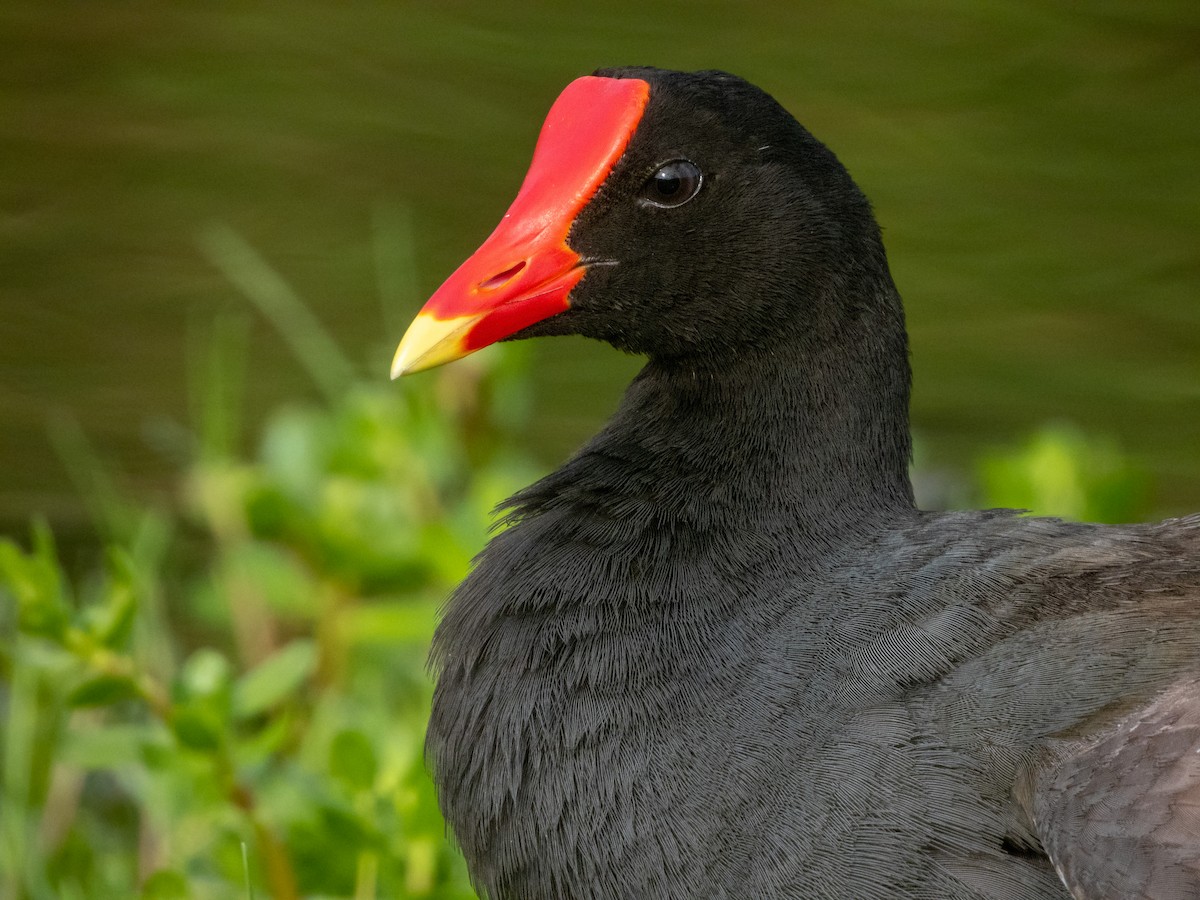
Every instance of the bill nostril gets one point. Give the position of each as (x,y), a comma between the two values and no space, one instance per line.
(502,278)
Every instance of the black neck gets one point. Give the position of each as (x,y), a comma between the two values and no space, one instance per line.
(814,433)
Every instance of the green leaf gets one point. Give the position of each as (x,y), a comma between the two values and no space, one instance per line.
(270,682)
(262,738)
(345,826)
(166,884)
(197,728)
(158,754)
(352,760)
(103,690)
(115,623)
(91,746)
(207,673)
(35,582)
(412,620)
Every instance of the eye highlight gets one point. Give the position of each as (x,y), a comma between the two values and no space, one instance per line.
(674,184)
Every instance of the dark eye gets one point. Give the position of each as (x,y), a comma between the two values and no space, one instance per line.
(674,184)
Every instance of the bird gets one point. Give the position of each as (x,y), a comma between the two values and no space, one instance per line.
(720,652)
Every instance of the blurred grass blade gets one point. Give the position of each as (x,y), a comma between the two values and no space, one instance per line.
(22,871)
(217,354)
(113,515)
(327,366)
(246,872)
(395,248)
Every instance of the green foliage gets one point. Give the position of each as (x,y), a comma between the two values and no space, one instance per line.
(232,703)
(1062,472)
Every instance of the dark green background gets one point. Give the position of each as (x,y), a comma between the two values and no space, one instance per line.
(1035,165)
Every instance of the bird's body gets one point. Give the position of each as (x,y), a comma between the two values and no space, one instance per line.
(704,707)
(720,654)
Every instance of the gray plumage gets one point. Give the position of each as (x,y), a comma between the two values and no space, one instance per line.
(719,654)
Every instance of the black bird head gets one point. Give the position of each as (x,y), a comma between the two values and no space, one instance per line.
(685,216)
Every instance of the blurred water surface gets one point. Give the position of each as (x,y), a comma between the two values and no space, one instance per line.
(1035,165)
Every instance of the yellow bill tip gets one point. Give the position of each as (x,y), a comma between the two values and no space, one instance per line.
(431,342)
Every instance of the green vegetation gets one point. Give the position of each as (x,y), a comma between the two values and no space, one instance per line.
(231,701)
